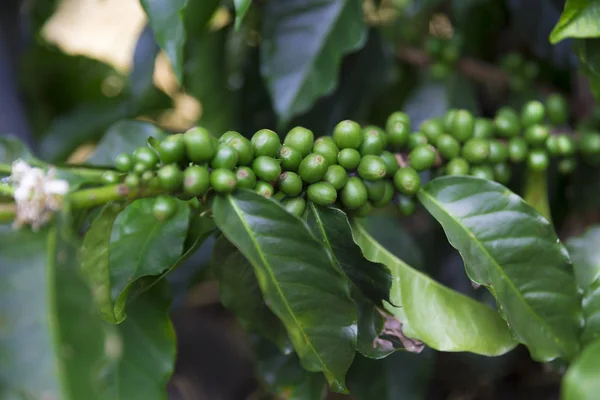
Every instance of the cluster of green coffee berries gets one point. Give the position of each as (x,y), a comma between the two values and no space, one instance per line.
(444,54)
(356,168)
(522,73)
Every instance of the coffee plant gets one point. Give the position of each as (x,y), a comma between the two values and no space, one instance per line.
(346,152)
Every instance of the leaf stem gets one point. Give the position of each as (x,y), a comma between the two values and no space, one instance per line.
(88,198)
(536,192)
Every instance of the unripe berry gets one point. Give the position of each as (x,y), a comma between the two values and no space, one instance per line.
(416,139)
(301,139)
(502,173)
(407,205)
(371,168)
(110,178)
(422,157)
(476,150)
(458,166)
(337,176)
(517,149)
(407,181)
(448,146)
(484,128)
(164,208)
(396,117)
(196,180)
(565,145)
(227,136)
(507,123)
(246,179)
(132,181)
(290,158)
(347,135)
(290,183)
(226,157)
(170,177)
(373,141)
(244,149)
(172,149)
(498,151)
(349,158)
(313,168)
(321,193)
(295,206)
(538,160)
(264,189)
(223,180)
(557,109)
(398,134)
(354,194)
(390,161)
(532,113)
(483,172)
(266,143)
(536,135)
(266,168)
(124,162)
(199,145)
(432,129)
(145,156)
(327,148)
(463,125)
(388,195)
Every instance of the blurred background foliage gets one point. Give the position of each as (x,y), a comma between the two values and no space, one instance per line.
(71,69)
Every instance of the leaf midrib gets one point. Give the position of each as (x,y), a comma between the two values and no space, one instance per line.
(497,266)
(272,277)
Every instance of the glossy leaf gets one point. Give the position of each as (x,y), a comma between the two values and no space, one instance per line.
(299,280)
(372,281)
(240,293)
(332,227)
(303,43)
(585,253)
(241,8)
(283,375)
(581,380)
(588,51)
(123,137)
(138,246)
(511,249)
(578,20)
(141,350)
(443,319)
(51,340)
(166,20)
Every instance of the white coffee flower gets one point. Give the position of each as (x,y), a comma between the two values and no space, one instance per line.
(38,194)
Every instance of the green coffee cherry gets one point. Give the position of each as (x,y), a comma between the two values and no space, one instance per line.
(589,146)
(439,70)
(463,125)
(349,158)
(432,129)
(407,181)
(422,157)
(567,166)
(517,149)
(337,176)
(536,135)
(416,139)
(327,148)
(321,193)
(313,168)
(552,145)
(347,135)
(170,177)
(290,183)
(483,172)
(407,205)
(538,160)
(396,117)
(507,123)
(124,162)
(223,180)
(362,211)
(145,156)
(371,168)
(301,139)
(227,136)
(354,194)
(199,145)
(390,161)
(565,145)
(246,179)
(533,113)
(476,150)
(164,208)
(278,196)
(266,168)
(398,134)
(110,178)
(172,149)
(373,141)
(264,189)
(375,189)
(502,173)
(484,128)
(498,151)
(226,157)
(557,109)
(196,180)
(132,181)
(244,149)
(448,146)
(388,195)
(458,166)
(140,168)
(266,143)
(295,206)
(448,119)
(290,158)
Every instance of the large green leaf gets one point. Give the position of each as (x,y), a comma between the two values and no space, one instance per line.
(588,52)
(510,248)
(141,350)
(578,20)
(372,281)
(585,253)
(300,282)
(443,319)
(239,292)
(120,249)
(123,137)
(581,380)
(166,20)
(303,44)
(51,340)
